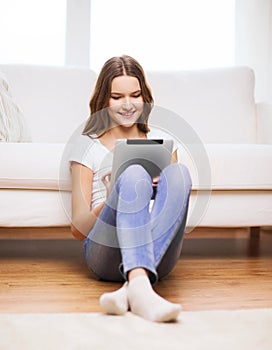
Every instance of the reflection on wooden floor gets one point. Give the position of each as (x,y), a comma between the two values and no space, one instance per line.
(43,270)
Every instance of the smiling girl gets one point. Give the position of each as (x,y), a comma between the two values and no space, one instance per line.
(125,240)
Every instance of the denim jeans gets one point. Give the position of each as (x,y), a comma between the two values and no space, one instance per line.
(130,234)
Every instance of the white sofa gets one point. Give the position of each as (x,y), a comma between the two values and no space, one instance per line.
(226,138)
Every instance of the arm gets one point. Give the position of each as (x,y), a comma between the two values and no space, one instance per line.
(174,157)
(83,218)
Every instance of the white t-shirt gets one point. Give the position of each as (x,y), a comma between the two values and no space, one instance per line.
(94,155)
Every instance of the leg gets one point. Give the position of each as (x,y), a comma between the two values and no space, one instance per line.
(126,208)
(169,216)
(124,203)
(173,252)
(133,221)
(101,246)
(148,304)
(168,223)
(143,239)
(136,242)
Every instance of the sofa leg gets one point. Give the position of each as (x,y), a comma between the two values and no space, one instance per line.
(254,242)
(255,232)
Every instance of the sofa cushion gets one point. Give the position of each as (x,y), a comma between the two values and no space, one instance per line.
(232,166)
(54,100)
(30,165)
(217,103)
(244,166)
(43,166)
(34,208)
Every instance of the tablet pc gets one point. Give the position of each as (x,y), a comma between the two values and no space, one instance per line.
(153,154)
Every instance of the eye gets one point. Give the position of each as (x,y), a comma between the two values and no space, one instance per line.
(115,97)
(136,94)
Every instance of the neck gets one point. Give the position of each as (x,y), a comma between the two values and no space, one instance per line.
(120,132)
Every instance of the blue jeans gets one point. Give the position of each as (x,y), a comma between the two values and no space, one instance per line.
(129,234)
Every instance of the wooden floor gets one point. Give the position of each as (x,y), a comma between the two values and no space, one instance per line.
(42,270)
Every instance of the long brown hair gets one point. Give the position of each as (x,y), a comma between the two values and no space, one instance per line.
(99,120)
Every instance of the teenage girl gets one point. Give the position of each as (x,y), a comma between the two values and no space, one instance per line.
(126,239)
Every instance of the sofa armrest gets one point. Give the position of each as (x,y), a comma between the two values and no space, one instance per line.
(264,123)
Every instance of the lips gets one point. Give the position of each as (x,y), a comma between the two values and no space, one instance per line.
(127,114)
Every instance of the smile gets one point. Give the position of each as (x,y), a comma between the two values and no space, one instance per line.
(127,114)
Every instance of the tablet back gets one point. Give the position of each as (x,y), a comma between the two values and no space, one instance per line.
(153,154)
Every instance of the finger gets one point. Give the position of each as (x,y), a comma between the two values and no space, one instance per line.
(155,179)
(106,178)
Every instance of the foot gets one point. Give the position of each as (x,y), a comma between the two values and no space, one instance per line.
(115,303)
(145,302)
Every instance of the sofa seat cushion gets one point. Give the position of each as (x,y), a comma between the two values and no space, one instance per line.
(34,208)
(30,165)
(233,167)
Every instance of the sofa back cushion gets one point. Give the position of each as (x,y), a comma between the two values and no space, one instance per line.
(54,100)
(217,103)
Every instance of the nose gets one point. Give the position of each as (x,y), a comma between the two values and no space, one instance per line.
(127,105)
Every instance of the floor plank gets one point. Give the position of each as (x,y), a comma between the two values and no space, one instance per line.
(43,270)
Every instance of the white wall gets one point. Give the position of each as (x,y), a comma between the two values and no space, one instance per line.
(253,45)
(78,18)
(253,39)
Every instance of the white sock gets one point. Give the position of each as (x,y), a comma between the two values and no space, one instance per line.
(115,303)
(145,302)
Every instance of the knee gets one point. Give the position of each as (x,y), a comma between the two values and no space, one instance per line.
(134,173)
(185,175)
(178,175)
(135,180)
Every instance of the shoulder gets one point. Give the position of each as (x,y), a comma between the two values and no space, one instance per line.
(84,150)
(80,144)
(82,140)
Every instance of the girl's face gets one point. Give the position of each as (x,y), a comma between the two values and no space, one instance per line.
(126,101)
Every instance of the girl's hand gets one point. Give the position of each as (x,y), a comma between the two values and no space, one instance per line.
(106,182)
(155,181)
